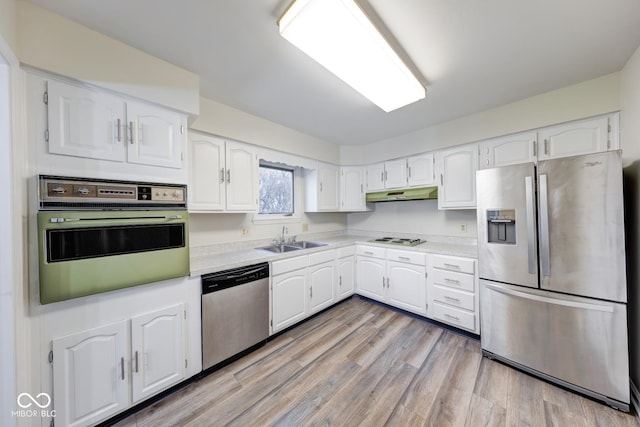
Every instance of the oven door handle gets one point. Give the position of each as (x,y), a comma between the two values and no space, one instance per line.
(61,220)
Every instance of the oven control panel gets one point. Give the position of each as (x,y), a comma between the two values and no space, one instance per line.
(62,192)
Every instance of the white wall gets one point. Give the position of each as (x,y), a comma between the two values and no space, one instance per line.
(630,143)
(50,42)
(222,120)
(590,98)
(7,22)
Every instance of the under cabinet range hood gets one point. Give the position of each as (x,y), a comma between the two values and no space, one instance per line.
(422,193)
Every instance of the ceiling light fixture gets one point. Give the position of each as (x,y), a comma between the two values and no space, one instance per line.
(338,35)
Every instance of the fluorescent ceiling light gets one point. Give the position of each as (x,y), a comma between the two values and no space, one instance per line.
(338,35)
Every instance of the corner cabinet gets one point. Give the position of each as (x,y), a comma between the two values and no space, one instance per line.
(456,169)
(99,372)
(322,187)
(91,124)
(223,175)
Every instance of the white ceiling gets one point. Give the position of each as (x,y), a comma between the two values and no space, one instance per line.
(475,55)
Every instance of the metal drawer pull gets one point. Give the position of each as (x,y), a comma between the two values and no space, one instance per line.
(454,266)
(453,281)
(122,367)
(406,258)
(448,316)
(448,298)
(368,252)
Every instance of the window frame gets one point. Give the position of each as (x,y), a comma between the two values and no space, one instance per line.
(281,218)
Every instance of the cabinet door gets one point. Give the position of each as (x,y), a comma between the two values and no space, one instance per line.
(289,298)
(85,123)
(206,173)
(457,169)
(90,375)
(395,173)
(420,170)
(352,196)
(156,136)
(241,178)
(509,150)
(370,277)
(321,286)
(407,286)
(157,351)
(375,177)
(329,187)
(572,139)
(346,277)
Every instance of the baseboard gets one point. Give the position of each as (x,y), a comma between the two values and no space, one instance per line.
(635,399)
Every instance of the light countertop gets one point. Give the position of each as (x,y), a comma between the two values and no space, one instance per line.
(232,256)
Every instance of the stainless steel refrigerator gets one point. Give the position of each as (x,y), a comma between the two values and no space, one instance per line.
(551,258)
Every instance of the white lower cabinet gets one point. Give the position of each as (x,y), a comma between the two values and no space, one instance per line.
(346,283)
(321,285)
(452,288)
(392,276)
(98,372)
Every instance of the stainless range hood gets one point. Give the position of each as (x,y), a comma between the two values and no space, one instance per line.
(422,193)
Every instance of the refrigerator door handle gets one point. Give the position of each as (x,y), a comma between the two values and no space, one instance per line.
(544,228)
(531,238)
(547,300)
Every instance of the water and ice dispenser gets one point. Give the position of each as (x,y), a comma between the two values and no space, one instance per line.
(501,226)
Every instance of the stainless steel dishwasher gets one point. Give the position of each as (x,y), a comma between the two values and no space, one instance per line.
(235,312)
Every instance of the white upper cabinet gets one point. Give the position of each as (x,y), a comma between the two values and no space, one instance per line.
(223,175)
(156,136)
(421,170)
(508,150)
(352,196)
(375,177)
(85,123)
(457,174)
(96,125)
(587,136)
(241,177)
(322,187)
(395,173)
(581,137)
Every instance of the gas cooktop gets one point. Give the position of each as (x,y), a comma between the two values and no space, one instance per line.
(398,241)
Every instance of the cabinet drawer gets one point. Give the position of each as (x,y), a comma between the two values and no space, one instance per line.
(320,257)
(371,251)
(346,251)
(454,316)
(290,264)
(454,280)
(407,256)
(462,265)
(454,297)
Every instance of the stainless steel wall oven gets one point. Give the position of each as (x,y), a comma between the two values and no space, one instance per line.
(97,235)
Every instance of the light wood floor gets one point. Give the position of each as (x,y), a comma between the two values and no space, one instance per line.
(363,364)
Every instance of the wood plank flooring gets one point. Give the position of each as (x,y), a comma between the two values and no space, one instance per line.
(364,364)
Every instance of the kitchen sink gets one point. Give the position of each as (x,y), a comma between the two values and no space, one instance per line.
(307,245)
(293,246)
(280,248)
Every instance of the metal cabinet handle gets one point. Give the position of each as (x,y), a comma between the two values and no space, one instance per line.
(544,227)
(535,148)
(452,281)
(385,176)
(448,298)
(136,360)
(320,186)
(409,171)
(448,316)
(119,130)
(382,176)
(222,175)
(383,282)
(406,258)
(452,266)
(122,367)
(310,292)
(340,281)
(228,176)
(368,252)
(131,132)
(531,248)
(441,180)
(546,146)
